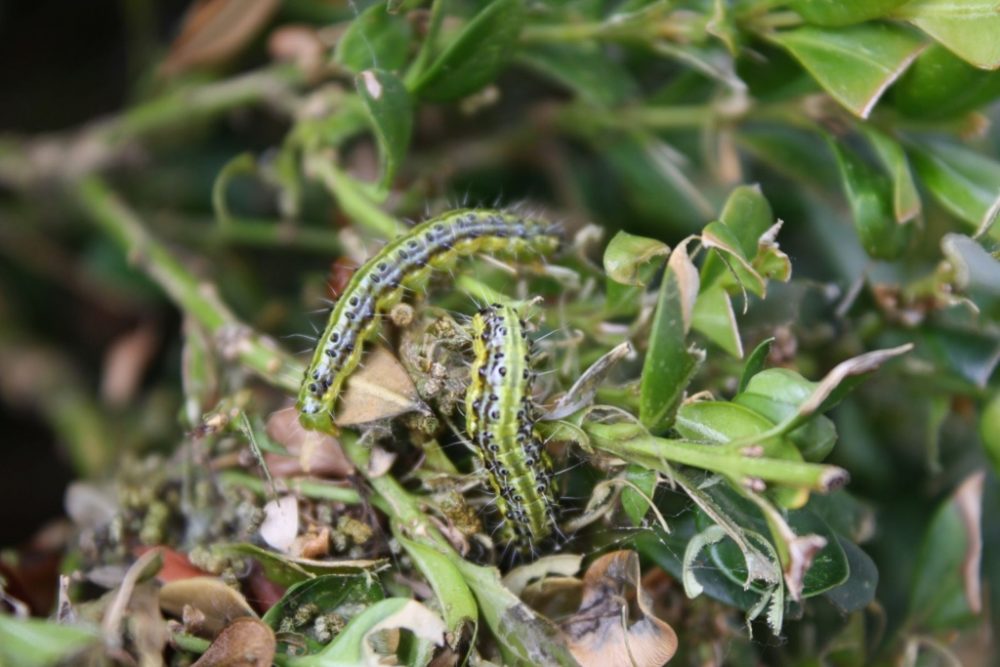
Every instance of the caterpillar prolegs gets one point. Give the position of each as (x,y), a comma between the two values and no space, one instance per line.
(499,421)
(378,285)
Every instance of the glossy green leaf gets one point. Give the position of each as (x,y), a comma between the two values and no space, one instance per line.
(843,12)
(829,567)
(455,600)
(946,583)
(375,39)
(870,196)
(940,85)
(390,112)
(755,362)
(968,355)
(670,364)
(585,69)
(855,64)
(633,260)
(748,214)
(713,316)
(906,204)
(967,27)
(963,181)
(327,592)
(474,58)
(38,643)
(634,504)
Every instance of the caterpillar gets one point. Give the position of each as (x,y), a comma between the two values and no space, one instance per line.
(499,421)
(405,263)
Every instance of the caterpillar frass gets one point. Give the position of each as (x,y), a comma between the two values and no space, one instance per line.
(406,262)
(499,421)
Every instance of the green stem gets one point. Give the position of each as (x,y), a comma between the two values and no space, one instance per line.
(256,233)
(623,440)
(199,299)
(426,53)
(309,488)
(101,143)
(353,199)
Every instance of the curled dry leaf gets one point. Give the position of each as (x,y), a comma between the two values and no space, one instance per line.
(969,501)
(382,389)
(583,390)
(281,523)
(603,631)
(312,452)
(218,604)
(214,31)
(246,642)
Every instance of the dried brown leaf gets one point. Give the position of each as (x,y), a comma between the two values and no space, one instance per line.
(381,389)
(219,603)
(601,632)
(214,31)
(312,453)
(246,642)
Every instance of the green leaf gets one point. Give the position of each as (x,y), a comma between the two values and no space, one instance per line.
(963,181)
(748,214)
(941,85)
(633,503)
(843,12)
(727,245)
(721,422)
(353,646)
(855,64)
(859,590)
(829,567)
(390,112)
(989,430)
(476,56)
(946,583)
(755,362)
(669,365)
(905,198)
(967,27)
(776,393)
(327,592)
(871,199)
(288,571)
(974,269)
(631,259)
(585,69)
(713,316)
(454,598)
(37,643)
(375,39)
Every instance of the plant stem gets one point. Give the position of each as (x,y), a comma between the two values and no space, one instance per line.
(353,199)
(256,233)
(623,440)
(102,143)
(309,488)
(234,339)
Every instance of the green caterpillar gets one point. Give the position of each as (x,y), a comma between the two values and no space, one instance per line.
(499,421)
(378,285)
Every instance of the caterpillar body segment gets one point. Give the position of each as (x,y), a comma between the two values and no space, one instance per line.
(405,263)
(500,423)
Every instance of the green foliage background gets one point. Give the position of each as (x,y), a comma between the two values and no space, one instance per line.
(867,127)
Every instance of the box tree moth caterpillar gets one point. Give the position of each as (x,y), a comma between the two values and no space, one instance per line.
(406,262)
